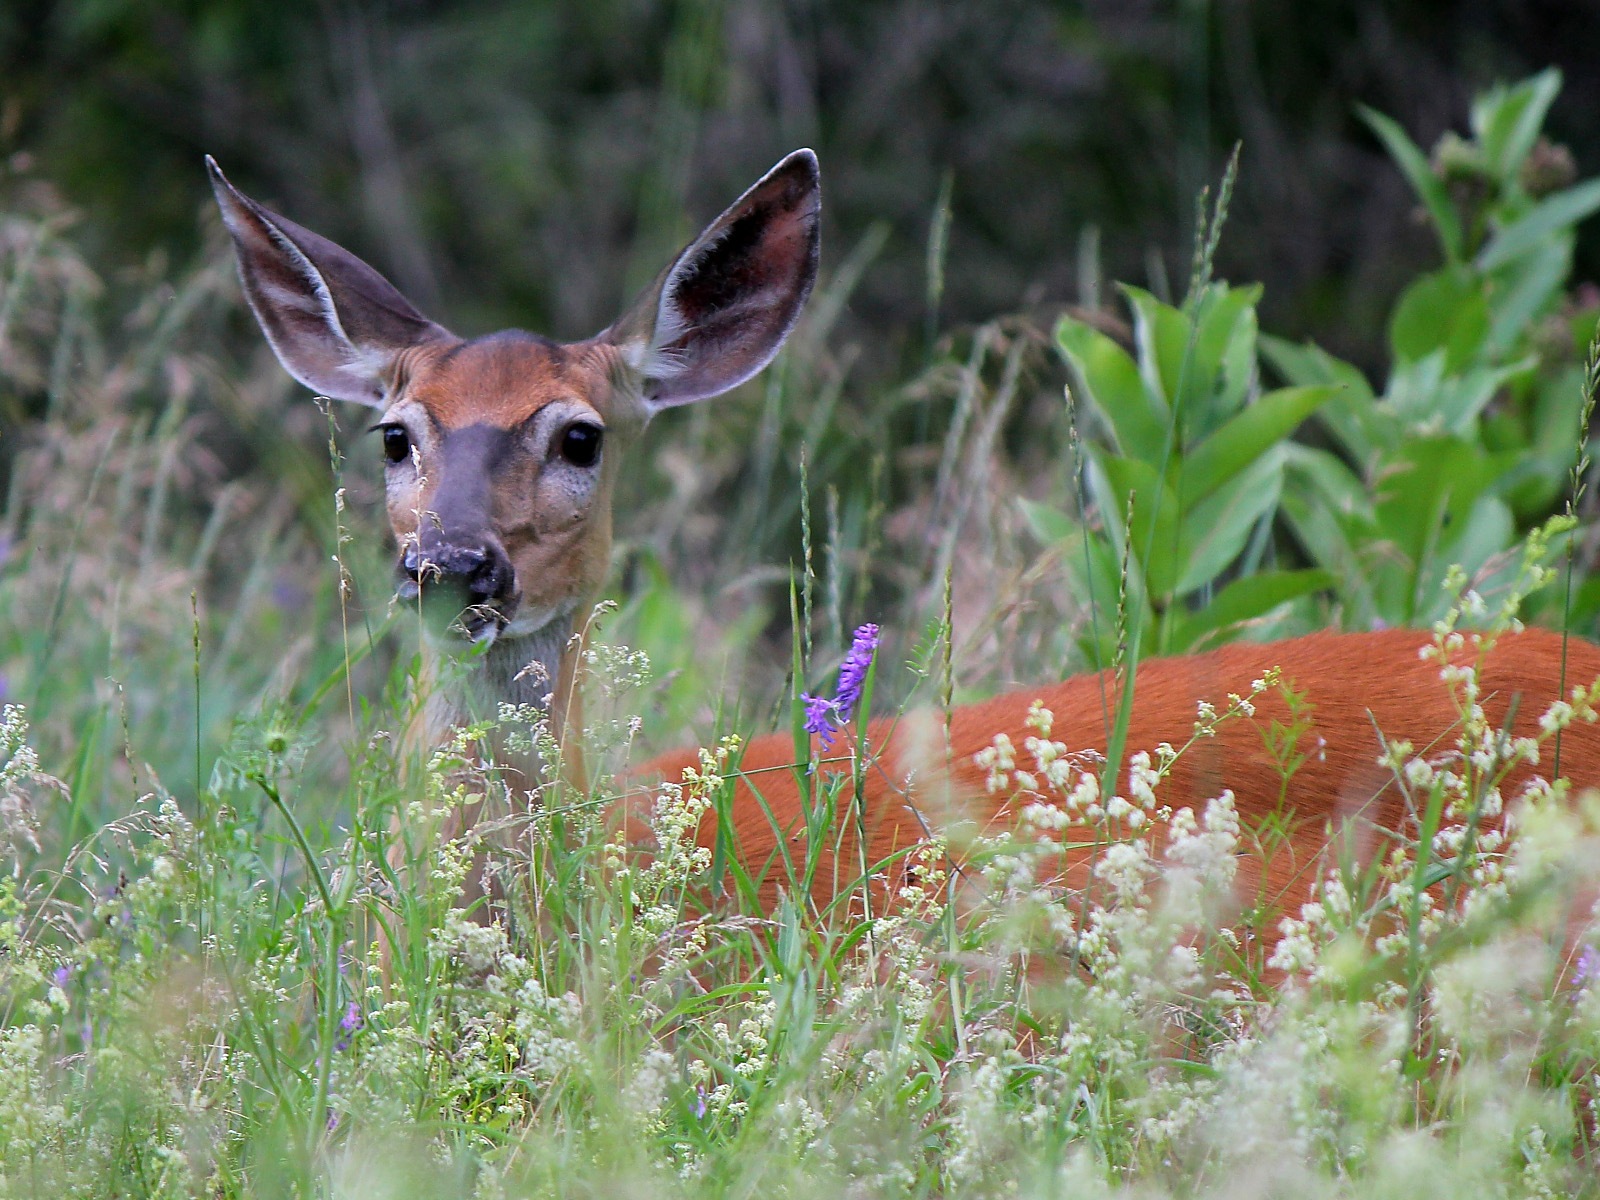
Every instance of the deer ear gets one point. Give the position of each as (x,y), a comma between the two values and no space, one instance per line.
(335,324)
(718,314)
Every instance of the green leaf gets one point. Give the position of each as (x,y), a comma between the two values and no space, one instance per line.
(1161,334)
(1507,120)
(1351,413)
(1247,436)
(1414,166)
(1326,480)
(1429,401)
(1210,354)
(1224,361)
(1048,523)
(1153,537)
(1553,215)
(1331,515)
(1487,529)
(1524,291)
(1109,381)
(1445,310)
(1214,531)
(1248,599)
(1429,488)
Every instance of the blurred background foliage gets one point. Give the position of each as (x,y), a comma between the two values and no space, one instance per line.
(529,162)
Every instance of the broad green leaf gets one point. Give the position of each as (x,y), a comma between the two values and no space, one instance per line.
(1332,541)
(1161,334)
(1429,488)
(1507,120)
(1248,599)
(1214,531)
(1153,536)
(1109,380)
(1330,513)
(1471,539)
(1524,290)
(1413,164)
(1349,413)
(1224,363)
(1325,480)
(1445,310)
(1048,523)
(1246,437)
(1210,355)
(1551,216)
(1429,401)
(1486,530)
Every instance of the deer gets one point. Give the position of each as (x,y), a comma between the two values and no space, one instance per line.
(502,457)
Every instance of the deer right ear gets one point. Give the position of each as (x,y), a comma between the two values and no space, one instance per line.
(335,324)
(718,314)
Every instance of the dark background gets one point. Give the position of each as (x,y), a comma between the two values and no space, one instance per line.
(529,162)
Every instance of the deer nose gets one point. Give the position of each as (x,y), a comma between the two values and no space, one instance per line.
(482,573)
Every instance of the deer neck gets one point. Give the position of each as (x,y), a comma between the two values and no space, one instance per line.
(533,670)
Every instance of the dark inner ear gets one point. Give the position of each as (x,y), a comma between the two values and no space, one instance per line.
(726,305)
(726,271)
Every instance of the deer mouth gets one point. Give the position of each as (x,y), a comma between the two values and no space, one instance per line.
(451,612)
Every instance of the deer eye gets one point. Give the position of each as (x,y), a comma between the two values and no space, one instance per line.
(396,443)
(580,444)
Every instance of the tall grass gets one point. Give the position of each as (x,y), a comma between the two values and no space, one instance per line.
(235,957)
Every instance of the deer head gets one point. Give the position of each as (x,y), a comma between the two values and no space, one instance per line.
(503,450)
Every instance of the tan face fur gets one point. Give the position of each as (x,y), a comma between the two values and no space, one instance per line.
(487,423)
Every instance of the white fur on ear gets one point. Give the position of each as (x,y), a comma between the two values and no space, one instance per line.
(335,323)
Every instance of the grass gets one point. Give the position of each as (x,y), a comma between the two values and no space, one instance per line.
(201,775)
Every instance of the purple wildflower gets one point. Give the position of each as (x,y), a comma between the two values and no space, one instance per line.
(820,712)
(824,716)
(1587,972)
(853,671)
(699,1105)
(348,1024)
(61,975)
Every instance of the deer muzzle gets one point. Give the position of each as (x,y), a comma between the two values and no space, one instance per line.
(468,585)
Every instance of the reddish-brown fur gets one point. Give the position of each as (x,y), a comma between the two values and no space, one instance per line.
(1356,683)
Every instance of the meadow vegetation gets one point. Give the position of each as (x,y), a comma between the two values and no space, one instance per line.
(201,767)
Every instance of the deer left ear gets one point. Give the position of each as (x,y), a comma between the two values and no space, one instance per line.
(335,324)
(718,314)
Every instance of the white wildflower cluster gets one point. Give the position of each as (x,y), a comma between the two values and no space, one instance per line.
(979,1126)
(1465,784)
(525,729)
(20,779)
(676,861)
(1066,826)
(740,1043)
(31,1119)
(475,946)
(895,978)
(1202,854)
(549,1028)
(1129,893)
(617,668)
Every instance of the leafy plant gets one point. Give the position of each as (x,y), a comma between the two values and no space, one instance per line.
(1208,516)
(1470,442)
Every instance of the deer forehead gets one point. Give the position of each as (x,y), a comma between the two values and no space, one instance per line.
(505,378)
